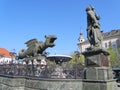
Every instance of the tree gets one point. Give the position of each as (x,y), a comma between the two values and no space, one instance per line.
(113,57)
(77,64)
(77,58)
(118,56)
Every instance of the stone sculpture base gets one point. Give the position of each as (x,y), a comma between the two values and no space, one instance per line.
(97,75)
(96,58)
(99,85)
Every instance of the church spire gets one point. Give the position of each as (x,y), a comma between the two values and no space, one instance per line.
(80,41)
(81,38)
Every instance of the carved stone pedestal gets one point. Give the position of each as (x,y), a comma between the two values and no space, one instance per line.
(96,58)
(97,74)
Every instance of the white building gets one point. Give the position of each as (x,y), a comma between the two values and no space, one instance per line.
(5,56)
(111,38)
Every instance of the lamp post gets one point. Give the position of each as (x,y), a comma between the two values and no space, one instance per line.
(77,54)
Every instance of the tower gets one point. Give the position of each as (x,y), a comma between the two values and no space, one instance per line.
(80,41)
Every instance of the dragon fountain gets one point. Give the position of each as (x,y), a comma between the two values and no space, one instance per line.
(36,47)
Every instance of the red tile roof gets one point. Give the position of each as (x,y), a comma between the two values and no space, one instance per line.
(5,52)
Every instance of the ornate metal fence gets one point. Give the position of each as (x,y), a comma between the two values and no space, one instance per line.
(38,71)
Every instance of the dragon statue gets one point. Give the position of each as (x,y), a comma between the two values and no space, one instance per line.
(36,47)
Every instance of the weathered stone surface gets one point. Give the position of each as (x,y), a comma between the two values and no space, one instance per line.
(39,84)
(55,84)
(98,73)
(96,58)
(99,85)
(12,83)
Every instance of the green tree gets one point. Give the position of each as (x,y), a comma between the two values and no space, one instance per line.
(118,56)
(77,64)
(112,57)
(77,58)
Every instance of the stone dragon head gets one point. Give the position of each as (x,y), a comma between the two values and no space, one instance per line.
(50,40)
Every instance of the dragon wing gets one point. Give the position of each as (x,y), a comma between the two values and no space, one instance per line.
(31,43)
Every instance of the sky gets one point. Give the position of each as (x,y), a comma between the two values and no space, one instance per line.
(22,20)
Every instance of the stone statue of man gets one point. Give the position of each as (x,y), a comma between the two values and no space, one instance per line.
(93,28)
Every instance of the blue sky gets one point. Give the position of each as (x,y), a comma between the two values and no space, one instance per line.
(21,20)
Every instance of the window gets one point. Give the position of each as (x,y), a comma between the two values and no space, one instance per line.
(105,45)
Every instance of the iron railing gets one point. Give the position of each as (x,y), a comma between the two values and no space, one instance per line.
(39,71)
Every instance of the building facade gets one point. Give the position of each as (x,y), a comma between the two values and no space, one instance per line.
(111,38)
(6,57)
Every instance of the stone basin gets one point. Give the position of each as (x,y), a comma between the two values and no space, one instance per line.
(58,59)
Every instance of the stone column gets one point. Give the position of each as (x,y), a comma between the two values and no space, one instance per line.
(97,74)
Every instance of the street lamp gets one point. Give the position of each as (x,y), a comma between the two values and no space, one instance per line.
(77,54)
